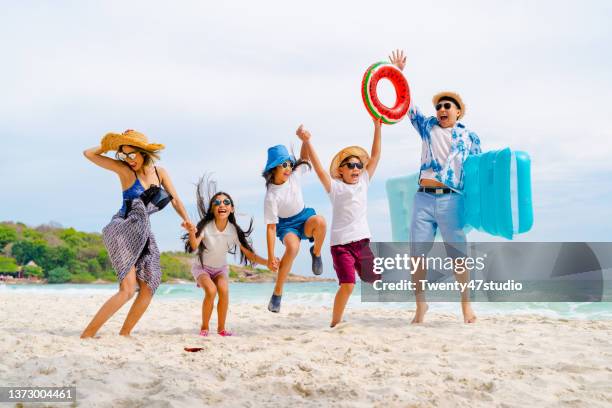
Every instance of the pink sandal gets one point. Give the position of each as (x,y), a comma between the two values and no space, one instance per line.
(225,333)
(204,333)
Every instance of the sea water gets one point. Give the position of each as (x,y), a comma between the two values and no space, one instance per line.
(321,294)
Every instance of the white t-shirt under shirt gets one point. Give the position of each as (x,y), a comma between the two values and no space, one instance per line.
(440,148)
(285,200)
(350,210)
(218,244)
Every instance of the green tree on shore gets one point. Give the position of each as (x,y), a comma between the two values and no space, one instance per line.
(33,271)
(8,265)
(7,235)
(68,255)
(59,275)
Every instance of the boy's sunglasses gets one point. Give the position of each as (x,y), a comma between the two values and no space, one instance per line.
(124,156)
(226,201)
(447,106)
(287,164)
(353,165)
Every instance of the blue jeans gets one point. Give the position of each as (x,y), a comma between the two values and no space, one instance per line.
(433,211)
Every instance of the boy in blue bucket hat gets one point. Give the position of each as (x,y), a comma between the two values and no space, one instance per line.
(438,203)
(287,217)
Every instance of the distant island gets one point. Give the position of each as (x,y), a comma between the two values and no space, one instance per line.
(53,254)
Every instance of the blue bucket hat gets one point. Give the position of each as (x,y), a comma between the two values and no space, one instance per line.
(277,155)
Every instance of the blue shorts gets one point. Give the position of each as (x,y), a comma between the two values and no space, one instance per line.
(295,224)
(433,211)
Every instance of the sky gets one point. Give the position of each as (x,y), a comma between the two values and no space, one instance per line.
(220,82)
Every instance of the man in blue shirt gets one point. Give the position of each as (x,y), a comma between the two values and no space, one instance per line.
(446,144)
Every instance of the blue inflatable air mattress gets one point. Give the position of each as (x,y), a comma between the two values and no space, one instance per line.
(497,192)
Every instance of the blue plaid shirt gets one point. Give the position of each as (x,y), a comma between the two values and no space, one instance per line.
(464,142)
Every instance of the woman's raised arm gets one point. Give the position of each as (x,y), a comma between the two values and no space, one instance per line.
(95,155)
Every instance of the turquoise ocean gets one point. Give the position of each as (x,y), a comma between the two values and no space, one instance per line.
(321,294)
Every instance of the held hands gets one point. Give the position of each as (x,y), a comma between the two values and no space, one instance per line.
(303,134)
(273,264)
(189,227)
(398,59)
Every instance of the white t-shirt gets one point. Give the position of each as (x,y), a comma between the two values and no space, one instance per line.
(218,243)
(350,210)
(440,148)
(285,200)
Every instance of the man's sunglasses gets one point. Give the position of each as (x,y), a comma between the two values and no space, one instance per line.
(124,156)
(225,201)
(446,105)
(353,165)
(287,164)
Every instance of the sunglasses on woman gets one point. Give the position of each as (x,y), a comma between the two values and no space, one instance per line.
(353,165)
(446,105)
(225,201)
(287,164)
(124,156)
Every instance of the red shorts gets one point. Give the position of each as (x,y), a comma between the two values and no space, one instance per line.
(354,257)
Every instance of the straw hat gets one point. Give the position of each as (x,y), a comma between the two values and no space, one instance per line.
(451,95)
(343,154)
(112,141)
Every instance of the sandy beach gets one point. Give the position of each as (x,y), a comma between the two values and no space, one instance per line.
(375,359)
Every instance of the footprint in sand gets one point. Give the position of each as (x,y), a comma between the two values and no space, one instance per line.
(302,389)
(154,386)
(304,367)
(47,370)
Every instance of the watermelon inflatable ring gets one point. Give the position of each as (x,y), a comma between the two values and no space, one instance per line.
(375,73)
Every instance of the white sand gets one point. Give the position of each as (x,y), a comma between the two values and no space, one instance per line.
(376,359)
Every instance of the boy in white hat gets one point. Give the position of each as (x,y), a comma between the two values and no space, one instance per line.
(446,144)
(351,171)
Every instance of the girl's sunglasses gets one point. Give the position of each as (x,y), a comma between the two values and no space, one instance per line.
(287,164)
(353,165)
(124,156)
(225,201)
(446,105)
